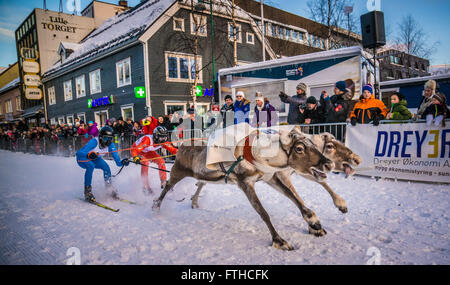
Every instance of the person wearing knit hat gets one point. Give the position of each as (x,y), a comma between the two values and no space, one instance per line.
(428,91)
(338,106)
(294,115)
(437,111)
(265,114)
(241,108)
(313,113)
(368,109)
(341,85)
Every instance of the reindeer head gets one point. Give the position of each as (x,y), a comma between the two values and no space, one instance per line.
(343,157)
(304,157)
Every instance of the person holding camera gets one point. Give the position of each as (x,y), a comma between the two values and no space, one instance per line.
(295,117)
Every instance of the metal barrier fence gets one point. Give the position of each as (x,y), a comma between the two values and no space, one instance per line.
(68,146)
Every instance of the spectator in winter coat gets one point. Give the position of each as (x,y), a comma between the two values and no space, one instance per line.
(295,117)
(338,106)
(313,113)
(137,130)
(437,111)
(368,108)
(430,89)
(265,114)
(93,130)
(241,108)
(398,110)
(227,111)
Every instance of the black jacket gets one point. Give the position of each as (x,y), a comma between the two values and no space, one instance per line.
(294,115)
(337,107)
(227,110)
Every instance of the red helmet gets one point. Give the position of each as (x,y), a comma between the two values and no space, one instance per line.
(148,125)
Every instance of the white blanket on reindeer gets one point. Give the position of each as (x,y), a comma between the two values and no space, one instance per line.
(222,142)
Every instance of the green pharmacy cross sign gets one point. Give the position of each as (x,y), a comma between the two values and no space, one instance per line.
(207,92)
(139,92)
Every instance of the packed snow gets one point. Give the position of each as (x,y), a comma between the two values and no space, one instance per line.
(42,217)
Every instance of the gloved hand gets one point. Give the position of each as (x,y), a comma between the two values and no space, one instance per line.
(353,121)
(92,155)
(125,162)
(376,121)
(137,159)
(283,95)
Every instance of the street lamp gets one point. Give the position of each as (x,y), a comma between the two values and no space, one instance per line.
(201,7)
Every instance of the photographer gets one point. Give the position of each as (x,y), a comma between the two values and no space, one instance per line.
(295,117)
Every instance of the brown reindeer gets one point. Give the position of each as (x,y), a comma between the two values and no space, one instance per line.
(295,153)
(344,159)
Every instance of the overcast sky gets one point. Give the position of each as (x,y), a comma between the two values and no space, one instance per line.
(433,16)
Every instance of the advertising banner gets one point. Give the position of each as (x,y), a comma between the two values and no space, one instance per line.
(412,151)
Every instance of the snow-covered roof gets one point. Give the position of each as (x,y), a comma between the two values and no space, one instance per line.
(343,52)
(70,46)
(115,31)
(10,84)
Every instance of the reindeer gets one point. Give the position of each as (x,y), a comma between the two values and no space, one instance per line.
(331,148)
(295,153)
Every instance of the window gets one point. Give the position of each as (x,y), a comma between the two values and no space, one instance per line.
(231,32)
(173,107)
(178,24)
(70,119)
(52,121)
(123,71)
(280,31)
(18,104)
(67,90)
(8,106)
(80,87)
(288,34)
(61,120)
(82,116)
(250,38)
(51,95)
(198,25)
(274,31)
(295,36)
(95,81)
(127,112)
(181,67)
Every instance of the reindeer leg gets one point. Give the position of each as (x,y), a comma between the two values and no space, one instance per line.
(283,183)
(249,191)
(175,177)
(194,198)
(337,200)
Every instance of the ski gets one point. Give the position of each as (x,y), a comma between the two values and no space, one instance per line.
(127,201)
(101,205)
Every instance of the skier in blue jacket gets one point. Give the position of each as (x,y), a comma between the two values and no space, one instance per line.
(90,157)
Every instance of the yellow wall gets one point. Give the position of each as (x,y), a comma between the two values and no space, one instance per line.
(9,75)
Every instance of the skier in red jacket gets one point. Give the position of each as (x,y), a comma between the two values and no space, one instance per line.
(146,147)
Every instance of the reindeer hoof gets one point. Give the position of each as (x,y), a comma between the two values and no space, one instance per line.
(317,232)
(343,210)
(156,205)
(280,243)
(194,206)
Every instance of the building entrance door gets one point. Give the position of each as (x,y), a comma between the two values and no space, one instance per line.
(101,117)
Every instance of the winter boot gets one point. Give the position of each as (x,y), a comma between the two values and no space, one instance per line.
(88,196)
(147,191)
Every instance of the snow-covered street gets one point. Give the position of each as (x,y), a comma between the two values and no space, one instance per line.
(42,216)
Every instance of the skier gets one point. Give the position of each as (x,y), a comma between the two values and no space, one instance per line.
(145,147)
(90,157)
